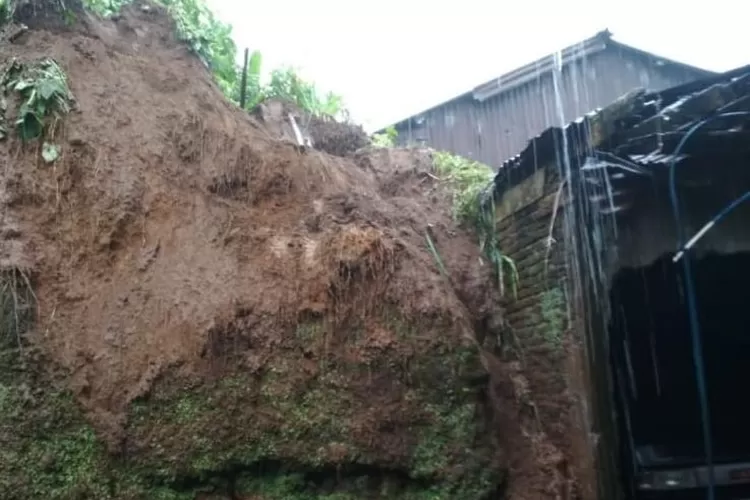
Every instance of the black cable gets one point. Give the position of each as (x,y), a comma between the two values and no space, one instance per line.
(695,332)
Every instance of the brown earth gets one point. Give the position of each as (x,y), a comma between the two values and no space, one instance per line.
(237,317)
(328,135)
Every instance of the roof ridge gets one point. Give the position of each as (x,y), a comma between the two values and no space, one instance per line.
(529,71)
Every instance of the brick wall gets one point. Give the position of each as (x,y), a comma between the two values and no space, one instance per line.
(550,352)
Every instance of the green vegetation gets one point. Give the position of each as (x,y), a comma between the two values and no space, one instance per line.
(208,37)
(212,41)
(247,425)
(199,28)
(286,84)
(253,88)
(436,255)
(104,8)
(48,451)
(42,89)
(553,315)
(474,206)
(453,425)
(387,139)
(6,11)
(453,436)
(212,435)
(294,486)
(468,179)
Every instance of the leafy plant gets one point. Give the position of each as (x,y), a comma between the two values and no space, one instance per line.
(286,84)
(503,265)
(43,89)
(386,139)
(470,181)
(6,11)
(208,37)
(467,179)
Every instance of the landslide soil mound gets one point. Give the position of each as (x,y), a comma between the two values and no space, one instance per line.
(222,315)
(328,135)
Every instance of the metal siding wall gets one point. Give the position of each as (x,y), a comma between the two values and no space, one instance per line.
(498,128)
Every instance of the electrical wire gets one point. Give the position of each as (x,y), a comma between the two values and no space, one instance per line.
(695,332)
(710,224)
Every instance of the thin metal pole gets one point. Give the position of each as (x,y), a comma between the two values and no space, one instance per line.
(243,88)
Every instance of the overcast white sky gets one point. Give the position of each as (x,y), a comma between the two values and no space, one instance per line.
(390,59)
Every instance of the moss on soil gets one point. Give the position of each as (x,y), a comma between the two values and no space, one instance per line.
(270,434)
(185,432)
(49,451)
(46,451)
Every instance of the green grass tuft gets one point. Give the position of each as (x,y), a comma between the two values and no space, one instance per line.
(436,255)
(471,182)
(468,179)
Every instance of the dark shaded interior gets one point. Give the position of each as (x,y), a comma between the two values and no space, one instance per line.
(650,333)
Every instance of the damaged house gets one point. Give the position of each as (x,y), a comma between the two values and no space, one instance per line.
(630,236)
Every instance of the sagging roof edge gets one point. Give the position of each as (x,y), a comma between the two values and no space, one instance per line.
(543,148)
(543,65)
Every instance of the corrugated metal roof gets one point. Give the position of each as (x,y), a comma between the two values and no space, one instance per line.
(534,70)
(493,130)
(641,131)
(547,64)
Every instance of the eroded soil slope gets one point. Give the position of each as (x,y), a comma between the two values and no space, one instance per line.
(222,315)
